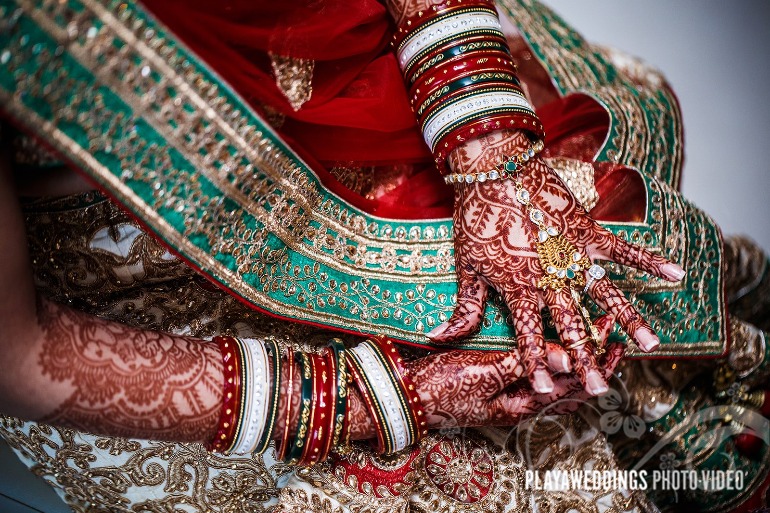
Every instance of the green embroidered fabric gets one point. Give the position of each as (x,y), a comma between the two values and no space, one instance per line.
(695,439)
(119,97)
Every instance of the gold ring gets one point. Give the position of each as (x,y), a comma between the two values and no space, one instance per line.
(579,343)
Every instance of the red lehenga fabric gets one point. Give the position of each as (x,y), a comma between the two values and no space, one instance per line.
(357,113)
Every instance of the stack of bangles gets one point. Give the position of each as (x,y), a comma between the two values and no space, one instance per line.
(461,76)
(255,372)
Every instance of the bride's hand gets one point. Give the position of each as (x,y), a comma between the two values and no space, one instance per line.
(485,388)
(496,246)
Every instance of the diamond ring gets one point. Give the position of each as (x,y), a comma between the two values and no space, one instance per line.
(595,272)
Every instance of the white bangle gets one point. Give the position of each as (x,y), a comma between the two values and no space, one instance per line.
(447,28)
(386,395)
(470,107)
(256,383)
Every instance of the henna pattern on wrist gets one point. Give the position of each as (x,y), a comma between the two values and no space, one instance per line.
(361,424)
(129,382)
(283,397)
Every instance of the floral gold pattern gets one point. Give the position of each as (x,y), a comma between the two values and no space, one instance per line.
(462,470)
(579,177)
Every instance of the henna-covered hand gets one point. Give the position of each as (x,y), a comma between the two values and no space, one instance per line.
(400,10)
(496,246)
(481,388)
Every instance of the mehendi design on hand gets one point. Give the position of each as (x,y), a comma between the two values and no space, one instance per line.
(496,245)
(481,388)
(457,388)
(361,423)
(400,10)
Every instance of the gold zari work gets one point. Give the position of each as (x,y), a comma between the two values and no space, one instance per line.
(289,247)
(294,78)
(578,176)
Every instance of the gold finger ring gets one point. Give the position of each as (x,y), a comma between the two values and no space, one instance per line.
(579,343)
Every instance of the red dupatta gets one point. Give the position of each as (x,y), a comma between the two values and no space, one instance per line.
(357,113)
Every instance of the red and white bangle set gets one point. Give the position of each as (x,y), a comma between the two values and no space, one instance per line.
(250,405)
(252,392)
(396,409)
(461,76)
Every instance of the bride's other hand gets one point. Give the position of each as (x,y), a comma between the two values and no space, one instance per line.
(484,388)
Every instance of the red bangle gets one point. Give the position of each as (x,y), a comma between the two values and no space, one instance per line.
(230,413)
(311,440)
(337,357)
(364,389)
(330,396)
(468,94)
(455,49)
(333,398)
(486,62)
(476,128)
(299,443)
(462,76)
(390,351)
(436,30)
(463,88)
(462,65)
(319,431)
(478,83)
